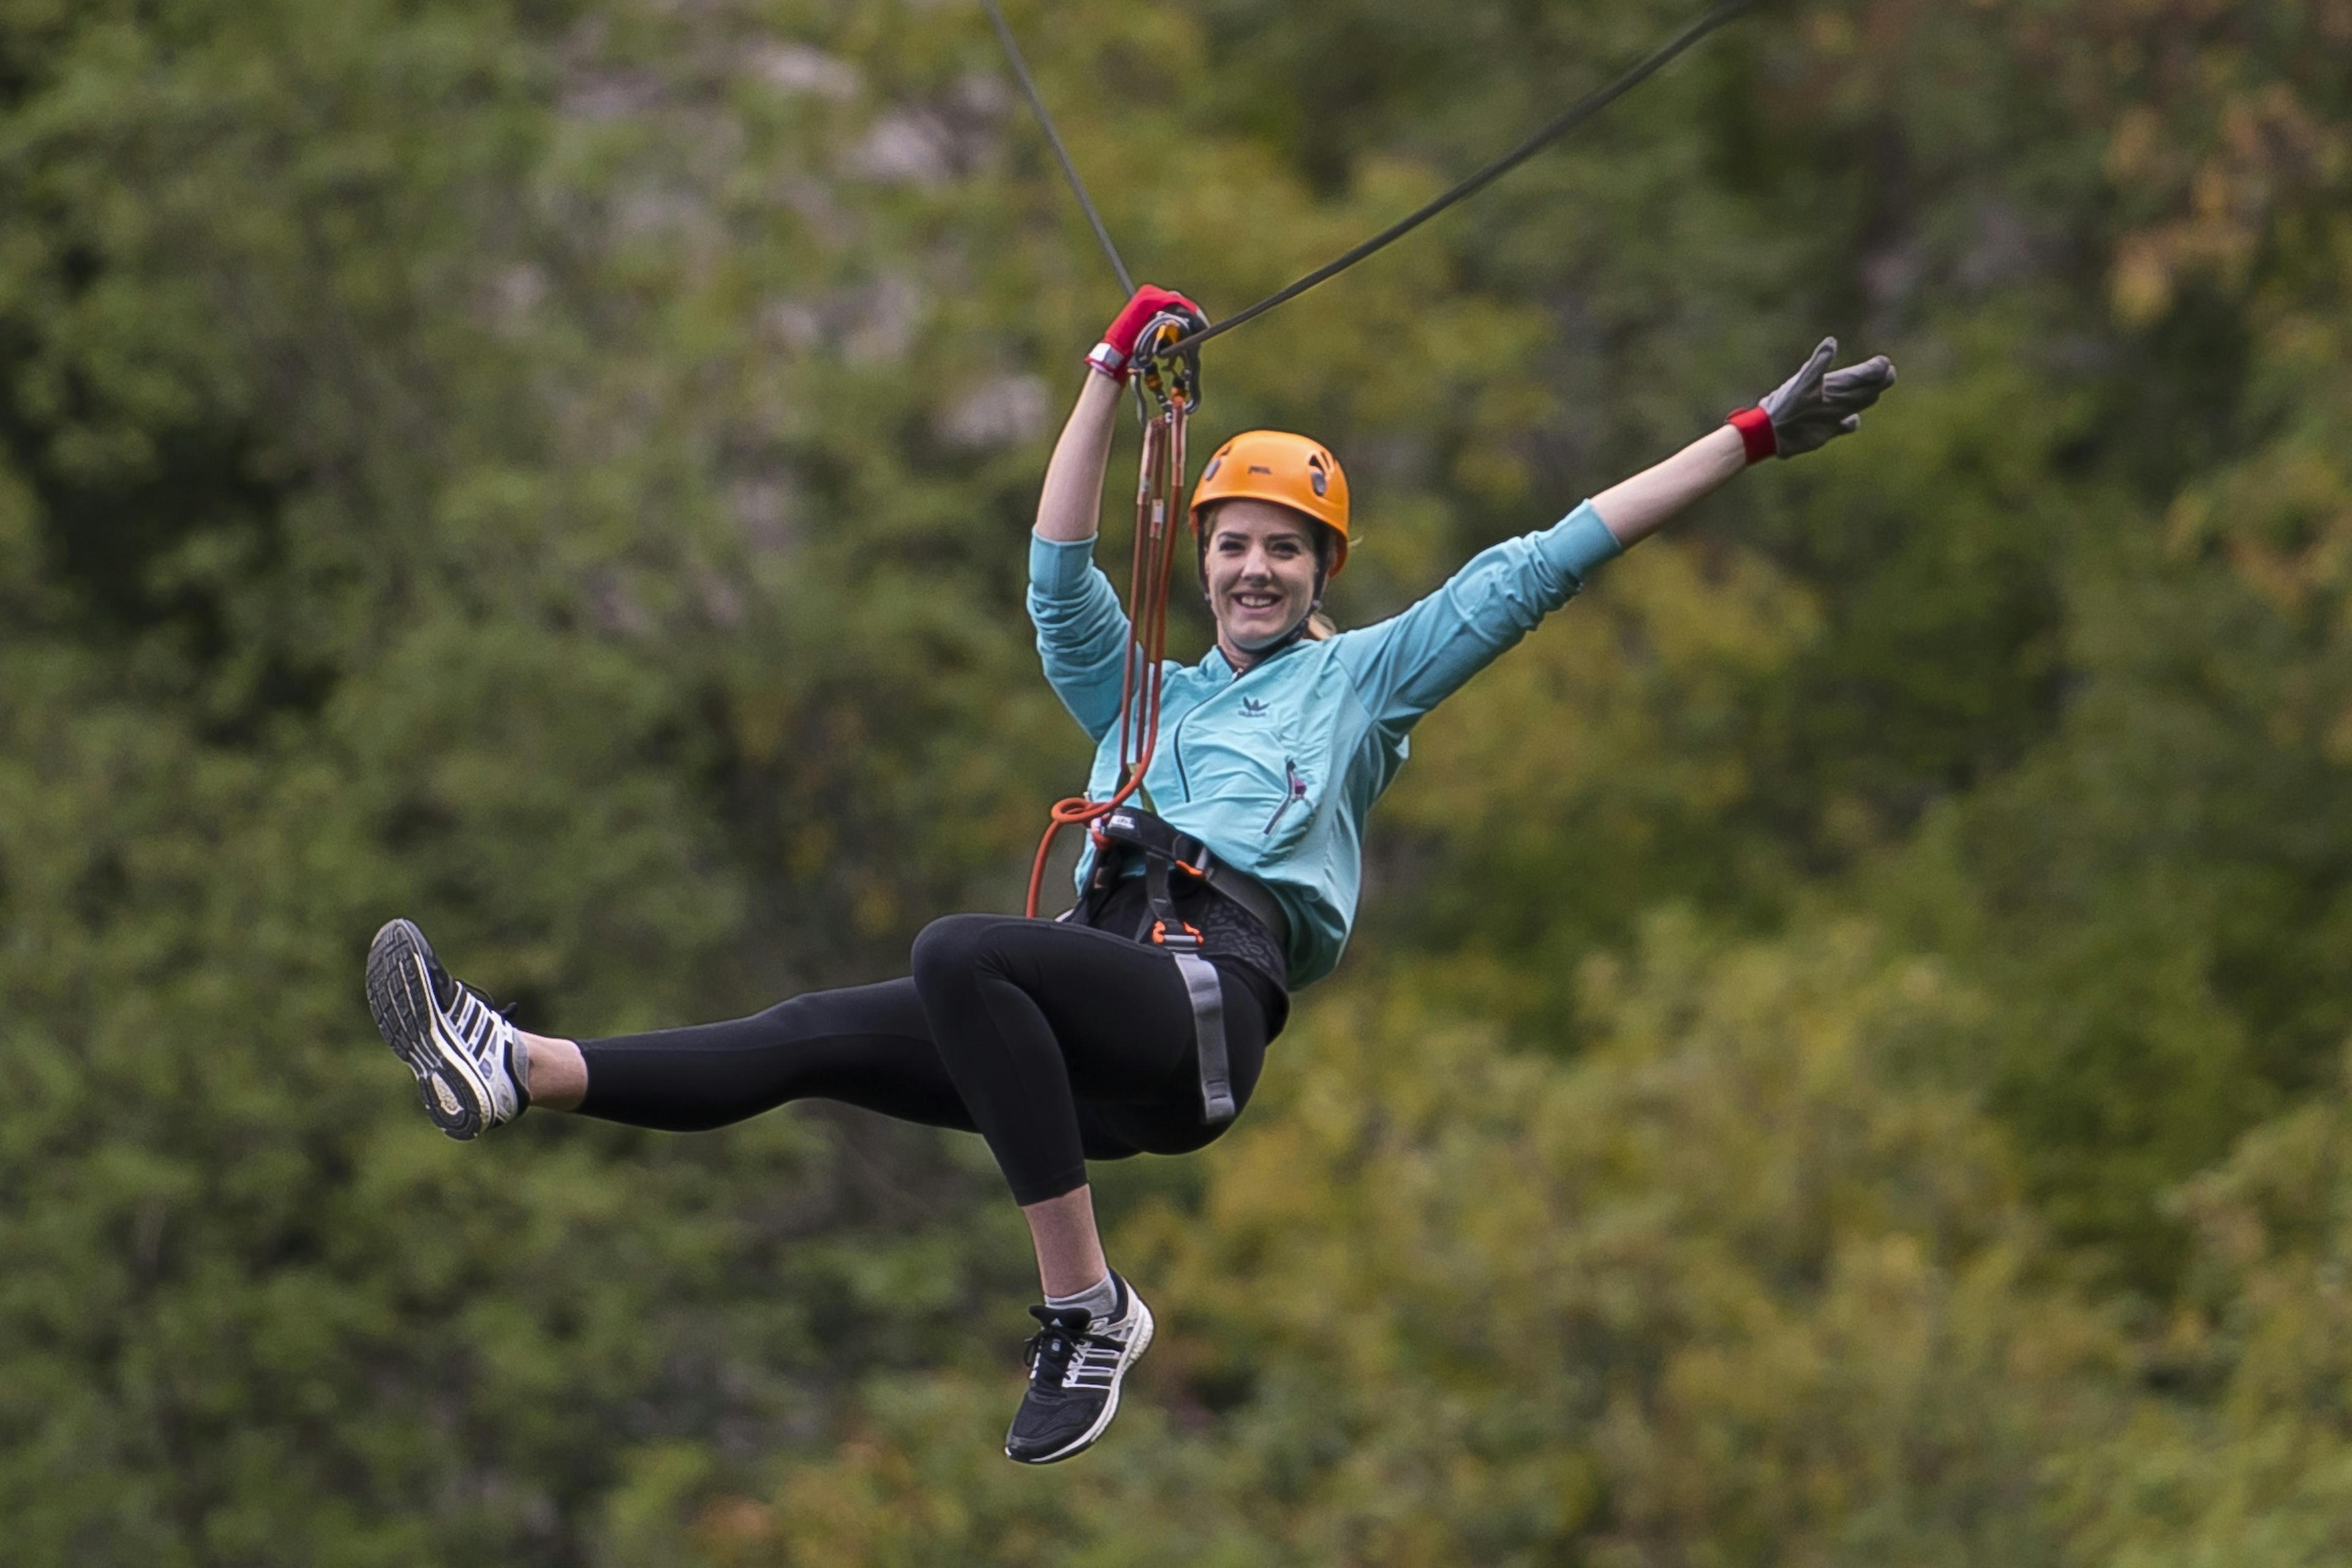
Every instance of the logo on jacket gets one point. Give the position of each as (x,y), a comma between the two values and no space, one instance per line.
(1252,709)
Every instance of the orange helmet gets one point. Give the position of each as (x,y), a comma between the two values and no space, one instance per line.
(1288,470)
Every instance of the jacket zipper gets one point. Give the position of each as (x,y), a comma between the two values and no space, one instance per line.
(1176,745)
(1298,792)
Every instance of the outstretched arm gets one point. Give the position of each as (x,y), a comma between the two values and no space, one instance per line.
(1809,409)
(1405,665)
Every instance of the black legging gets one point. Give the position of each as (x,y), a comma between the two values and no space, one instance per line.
(1056,1043)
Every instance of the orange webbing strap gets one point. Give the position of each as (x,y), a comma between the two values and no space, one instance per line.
(1158,490)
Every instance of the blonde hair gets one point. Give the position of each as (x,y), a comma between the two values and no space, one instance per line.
(1318,627)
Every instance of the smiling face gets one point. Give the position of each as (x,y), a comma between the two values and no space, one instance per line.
(1260,571)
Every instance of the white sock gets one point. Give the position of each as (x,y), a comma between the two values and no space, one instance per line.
(1100,1302)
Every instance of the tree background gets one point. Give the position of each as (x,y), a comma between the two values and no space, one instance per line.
(1843,1059)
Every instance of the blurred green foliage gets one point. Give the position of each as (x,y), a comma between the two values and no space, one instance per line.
(1843,1059)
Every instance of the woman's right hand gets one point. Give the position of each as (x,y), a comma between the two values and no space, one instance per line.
(1112,354)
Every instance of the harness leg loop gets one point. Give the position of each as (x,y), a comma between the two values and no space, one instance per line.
(1209,1029)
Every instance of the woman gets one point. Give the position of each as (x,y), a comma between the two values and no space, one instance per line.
(1062,1041)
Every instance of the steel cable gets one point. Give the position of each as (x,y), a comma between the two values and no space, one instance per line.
(1581,110)
(1045,121)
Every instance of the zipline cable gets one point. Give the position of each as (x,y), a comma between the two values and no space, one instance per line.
(1069,169)
(1583,110)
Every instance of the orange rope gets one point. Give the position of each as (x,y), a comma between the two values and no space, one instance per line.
(1159,488)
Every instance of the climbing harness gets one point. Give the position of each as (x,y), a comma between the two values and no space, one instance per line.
(1129,834)
(1132,833)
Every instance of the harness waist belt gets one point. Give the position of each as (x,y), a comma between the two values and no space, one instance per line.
(1152,837)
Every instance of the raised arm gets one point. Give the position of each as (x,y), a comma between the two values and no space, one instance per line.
(1082,633)
(1069,509)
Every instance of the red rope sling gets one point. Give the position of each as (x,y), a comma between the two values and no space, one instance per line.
(1174,385)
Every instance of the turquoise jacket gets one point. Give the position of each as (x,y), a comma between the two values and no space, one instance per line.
(1274,770)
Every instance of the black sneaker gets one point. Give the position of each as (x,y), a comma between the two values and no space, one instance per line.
(1075,1367)
(471,1070)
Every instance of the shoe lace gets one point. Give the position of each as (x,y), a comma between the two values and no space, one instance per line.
(1063,1353)
(491,1004)
(475,1008)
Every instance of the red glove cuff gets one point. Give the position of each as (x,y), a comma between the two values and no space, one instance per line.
(1755,428)
(1105,360)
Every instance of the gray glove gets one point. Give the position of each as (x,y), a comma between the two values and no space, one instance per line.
(1811,408)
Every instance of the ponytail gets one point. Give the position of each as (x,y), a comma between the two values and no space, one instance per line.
(1327,541)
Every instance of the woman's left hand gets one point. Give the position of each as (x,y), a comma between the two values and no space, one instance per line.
(1817,404)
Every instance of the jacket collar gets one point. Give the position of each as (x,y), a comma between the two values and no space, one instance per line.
(1214,663)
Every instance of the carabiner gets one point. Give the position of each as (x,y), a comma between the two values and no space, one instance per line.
(1170,378)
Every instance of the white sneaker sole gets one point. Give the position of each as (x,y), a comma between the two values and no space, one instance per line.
(400,996)
(1139,1341)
